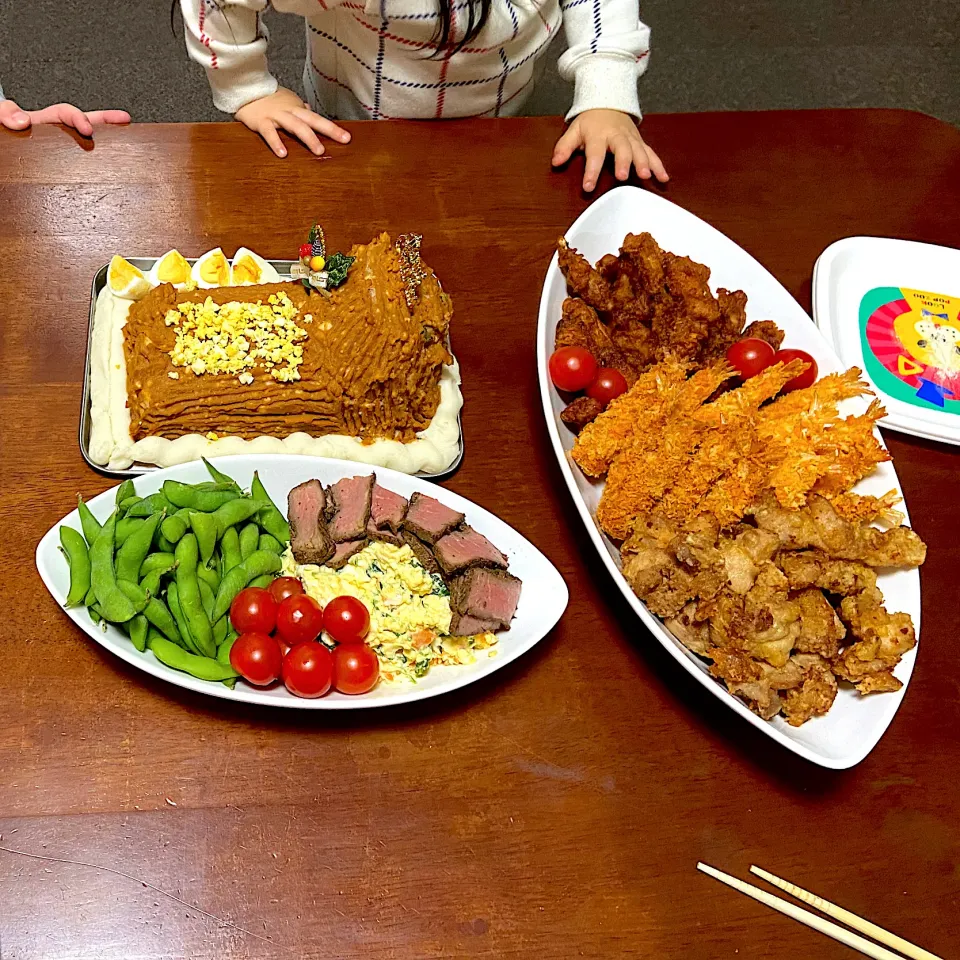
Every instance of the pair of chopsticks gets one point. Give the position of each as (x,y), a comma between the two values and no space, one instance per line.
(865,946)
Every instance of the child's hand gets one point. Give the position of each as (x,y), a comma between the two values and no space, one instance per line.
(285,110)
(13,118)
(596,132)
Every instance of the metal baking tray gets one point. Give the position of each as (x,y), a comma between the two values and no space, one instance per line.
(144,264)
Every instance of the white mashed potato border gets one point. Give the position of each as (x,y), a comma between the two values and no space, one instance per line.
(112,447)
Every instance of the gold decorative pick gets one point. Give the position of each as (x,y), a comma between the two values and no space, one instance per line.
(411,268)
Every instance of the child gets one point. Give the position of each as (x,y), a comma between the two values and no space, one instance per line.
(13,118)
(416,59)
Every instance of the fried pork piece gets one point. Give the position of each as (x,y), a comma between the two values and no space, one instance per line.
(582,279)
(580,326)
(765,330)
(881,639)
(820,628)
(816,693)
(818,525)
(642,411)
(814,568)
(578,413)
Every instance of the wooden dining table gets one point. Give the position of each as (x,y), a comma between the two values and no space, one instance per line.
(557,808)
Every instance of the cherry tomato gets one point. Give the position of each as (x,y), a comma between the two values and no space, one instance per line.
(806,378)
(308,669)
(253,610)
(607,385)
(346,619)
(257,658)
(356,668)
(572,368)
(750,356)
(299,619)
(284,587)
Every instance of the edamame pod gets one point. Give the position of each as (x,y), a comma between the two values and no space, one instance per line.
(207,598)
(162,562)
(188,588)
(209,576)
(125,505)
(271,519)
(220,631)
(126,528)
(125,491)
(235,512)
(88,522)
(219,476)
(203,668)
(230,550)
(135,549)
(137,630)
(263,581)
(148,506)
(114,604)
(269,542)
(95,614)
(223,651)
(162,543)
(78,558)
(256,565)
(176,524)
(90,599)
(197,498)
(204,526)
(173,602)
(249,540)
(155,610)
(151,583)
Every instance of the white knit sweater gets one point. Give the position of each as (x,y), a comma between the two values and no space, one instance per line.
(370,59)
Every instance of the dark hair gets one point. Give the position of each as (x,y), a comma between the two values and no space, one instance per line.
(478,13)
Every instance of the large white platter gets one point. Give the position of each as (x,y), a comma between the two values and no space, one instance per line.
(542,600)
(854,725)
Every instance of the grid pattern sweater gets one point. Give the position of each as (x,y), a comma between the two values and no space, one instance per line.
(370,59)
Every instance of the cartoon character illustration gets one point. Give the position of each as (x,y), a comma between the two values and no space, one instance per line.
(911,342)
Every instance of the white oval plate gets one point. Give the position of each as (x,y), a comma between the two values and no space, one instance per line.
(854,725)
(542,599)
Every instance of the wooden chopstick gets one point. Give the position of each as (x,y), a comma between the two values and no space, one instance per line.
(833,930)
(907,948)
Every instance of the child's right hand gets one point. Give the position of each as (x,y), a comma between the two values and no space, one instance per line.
(13,118)
(285,110)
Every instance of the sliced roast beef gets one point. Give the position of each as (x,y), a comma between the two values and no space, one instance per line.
(421,551)
(487,594)
(348,507)
(467,626)
(429,519)
(309,538)
(387,509)
(465,548)
(386,534)
(344,552)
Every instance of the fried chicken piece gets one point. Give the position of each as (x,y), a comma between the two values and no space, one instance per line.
(682,322)
(816,693)
(729,327)
(765,330)
(640,411)
(820,628)
(578,413)
(582,279)
(813,568)
(641,259)
(580,326)
(881,639)
(818,525)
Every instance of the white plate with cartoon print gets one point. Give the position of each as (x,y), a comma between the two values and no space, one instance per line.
(855,724)
(542,600)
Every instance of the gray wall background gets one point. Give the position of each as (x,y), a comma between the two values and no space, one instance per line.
(714,55)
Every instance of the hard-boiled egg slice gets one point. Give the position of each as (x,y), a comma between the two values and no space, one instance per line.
(170,268)
(212,270)
(248,267)
(126,281)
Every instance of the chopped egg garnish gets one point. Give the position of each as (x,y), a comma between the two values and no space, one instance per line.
(234,338)
(173,375)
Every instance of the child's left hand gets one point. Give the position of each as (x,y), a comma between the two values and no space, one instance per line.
(599,131)
(13,118)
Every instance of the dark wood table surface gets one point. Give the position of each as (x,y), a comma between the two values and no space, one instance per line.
(556,809)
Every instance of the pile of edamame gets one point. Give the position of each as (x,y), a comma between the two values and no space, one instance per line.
(165,568)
